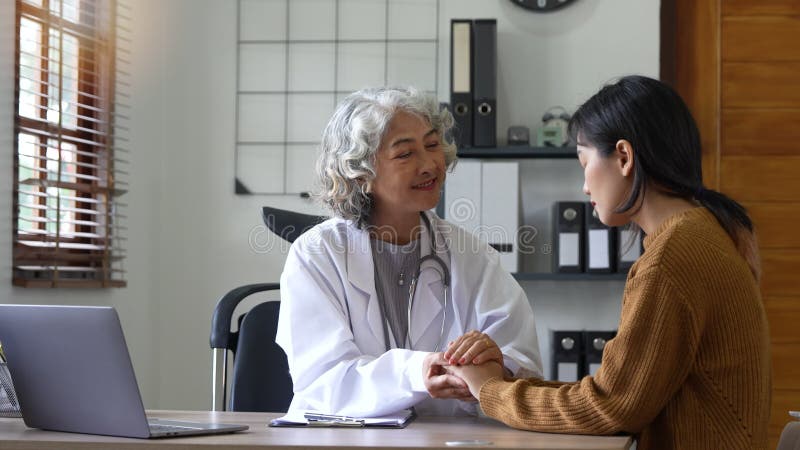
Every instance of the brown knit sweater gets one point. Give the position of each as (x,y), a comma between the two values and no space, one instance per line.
(690,366)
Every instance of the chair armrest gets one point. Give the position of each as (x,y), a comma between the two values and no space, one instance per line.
(223,312)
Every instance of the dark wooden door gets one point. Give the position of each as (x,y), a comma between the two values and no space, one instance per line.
(737,64)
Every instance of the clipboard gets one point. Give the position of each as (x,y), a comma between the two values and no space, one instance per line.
(313,419)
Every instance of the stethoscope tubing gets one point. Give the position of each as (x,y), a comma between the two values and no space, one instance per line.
(412,290)
(445,274)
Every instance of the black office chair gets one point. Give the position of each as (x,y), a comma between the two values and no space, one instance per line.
(261,380)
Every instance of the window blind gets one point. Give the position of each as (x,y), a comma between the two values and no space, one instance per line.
(70,129)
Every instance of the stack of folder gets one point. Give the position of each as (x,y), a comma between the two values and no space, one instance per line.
(473,81)
(483,198)
(581,243)
(578,353)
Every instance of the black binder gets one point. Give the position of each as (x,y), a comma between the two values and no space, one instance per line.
(601,243)
(568,361)
(593,345)
(461,80)
(484,104)
(568,237)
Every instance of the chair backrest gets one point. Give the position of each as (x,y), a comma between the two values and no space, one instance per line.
(260,329)
(261,380)
(221,335)
(288,225)
(790,437)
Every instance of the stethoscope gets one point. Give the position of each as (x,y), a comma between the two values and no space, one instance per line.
(443,271)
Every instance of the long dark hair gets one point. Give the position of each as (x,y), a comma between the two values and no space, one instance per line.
(655,120)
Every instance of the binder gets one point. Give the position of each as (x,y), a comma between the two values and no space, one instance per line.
(594,344)
(461,80)
(629,248)
(462,197)
(601,248)
(568,363)
(471,202)
(568,236)
(500,199)
(484,104)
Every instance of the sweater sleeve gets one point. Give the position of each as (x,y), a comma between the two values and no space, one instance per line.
(642,368)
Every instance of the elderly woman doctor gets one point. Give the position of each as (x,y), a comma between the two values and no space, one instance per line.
(372,297)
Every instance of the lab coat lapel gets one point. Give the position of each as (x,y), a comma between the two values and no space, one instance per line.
(361,275)
(448,238)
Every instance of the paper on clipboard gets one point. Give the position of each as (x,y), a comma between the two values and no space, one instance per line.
(298,419)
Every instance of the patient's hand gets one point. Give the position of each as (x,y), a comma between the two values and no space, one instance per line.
(473,347)
(476,375)
(439,380)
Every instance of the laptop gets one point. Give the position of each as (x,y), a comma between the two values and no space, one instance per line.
(72,372)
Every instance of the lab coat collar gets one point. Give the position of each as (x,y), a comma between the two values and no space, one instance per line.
(361,274)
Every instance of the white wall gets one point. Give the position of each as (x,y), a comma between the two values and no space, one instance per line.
(189,233)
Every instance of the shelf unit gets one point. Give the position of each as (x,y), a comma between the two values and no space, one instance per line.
(519,152)
(557,276)
(528,152)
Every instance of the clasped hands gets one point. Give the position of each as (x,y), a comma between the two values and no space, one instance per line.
(460,371)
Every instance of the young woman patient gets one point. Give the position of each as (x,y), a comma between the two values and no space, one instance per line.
(690,366)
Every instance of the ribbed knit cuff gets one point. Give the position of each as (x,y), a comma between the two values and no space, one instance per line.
(490,396)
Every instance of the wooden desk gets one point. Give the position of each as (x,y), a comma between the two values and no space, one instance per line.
(424,433)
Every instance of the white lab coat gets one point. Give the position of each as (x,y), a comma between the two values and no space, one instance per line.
(331,327)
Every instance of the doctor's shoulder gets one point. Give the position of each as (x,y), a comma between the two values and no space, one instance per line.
(324,238)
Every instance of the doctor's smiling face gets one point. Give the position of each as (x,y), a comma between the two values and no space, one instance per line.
(410,170)
(607,179)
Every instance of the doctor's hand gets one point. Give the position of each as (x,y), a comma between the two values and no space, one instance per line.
(440,382)
(476,375)
(473,347)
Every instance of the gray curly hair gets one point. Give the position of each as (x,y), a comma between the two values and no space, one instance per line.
(346,165)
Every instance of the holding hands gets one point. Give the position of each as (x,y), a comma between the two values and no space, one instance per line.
(460,371)
(440,382)
(473,347)
(475,375)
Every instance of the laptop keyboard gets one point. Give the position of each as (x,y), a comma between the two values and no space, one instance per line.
(160,428)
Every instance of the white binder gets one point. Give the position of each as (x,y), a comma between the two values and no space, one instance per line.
(483,198)
(462,197)
(500,210)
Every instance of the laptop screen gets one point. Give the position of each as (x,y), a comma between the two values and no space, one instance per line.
(71,369)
